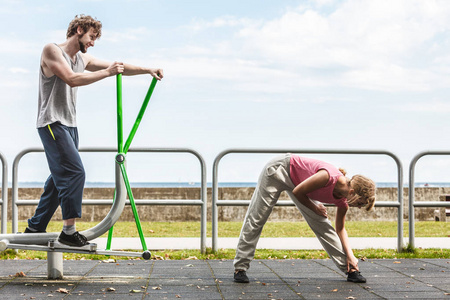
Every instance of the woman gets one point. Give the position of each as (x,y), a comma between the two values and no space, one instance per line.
(305,179)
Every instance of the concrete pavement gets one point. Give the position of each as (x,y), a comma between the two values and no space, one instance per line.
(212,279)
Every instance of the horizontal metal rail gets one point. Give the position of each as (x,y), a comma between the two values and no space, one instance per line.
(412,203)
(290,203)
(16,202)
(110,202)
(215,186)
(4,200)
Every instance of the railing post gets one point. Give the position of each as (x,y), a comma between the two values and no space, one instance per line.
(412,203)
(214,208)
(4,201)
(15,187)
(400,243)
(204,207)
(411,192)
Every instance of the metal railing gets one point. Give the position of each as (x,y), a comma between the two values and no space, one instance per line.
(216,202)
(412,203)
(16,202)
(4,200)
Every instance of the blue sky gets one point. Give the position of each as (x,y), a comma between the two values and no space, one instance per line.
(243,74)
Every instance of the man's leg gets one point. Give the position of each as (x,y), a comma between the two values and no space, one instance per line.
(71,184)
(49,200)
(47,206)
(61,148)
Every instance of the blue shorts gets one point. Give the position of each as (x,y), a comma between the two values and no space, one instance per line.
(66,183)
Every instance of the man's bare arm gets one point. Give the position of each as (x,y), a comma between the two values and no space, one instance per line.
(93,64)
(54,63)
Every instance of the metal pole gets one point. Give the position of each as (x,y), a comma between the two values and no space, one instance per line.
(4,194)
(119,140)
(15,187)
(133,207)
(140,115)
(110,231)
(411,201)
(204,198)
(119,114)
(215,197)
(400,243)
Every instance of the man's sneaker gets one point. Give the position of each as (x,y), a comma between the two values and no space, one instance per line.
(28,230)
(76,239)
(356,277)
(241,276)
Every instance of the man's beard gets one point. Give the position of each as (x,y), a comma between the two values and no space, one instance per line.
(82,47)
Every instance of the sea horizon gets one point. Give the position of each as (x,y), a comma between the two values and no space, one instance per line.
(97,184)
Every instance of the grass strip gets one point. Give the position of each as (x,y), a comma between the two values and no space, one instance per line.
(271,229)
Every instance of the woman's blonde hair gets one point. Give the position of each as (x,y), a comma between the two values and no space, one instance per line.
(365,188)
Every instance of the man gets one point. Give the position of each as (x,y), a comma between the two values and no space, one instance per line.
(61,72)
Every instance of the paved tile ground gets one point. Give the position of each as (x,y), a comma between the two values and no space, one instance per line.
(212,279)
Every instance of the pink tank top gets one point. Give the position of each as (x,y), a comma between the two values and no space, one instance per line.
(302,168)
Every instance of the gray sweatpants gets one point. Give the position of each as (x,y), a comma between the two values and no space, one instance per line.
(273,180)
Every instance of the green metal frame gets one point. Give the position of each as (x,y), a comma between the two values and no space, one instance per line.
(123,150)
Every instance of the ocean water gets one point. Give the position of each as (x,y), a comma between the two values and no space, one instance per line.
(209,184)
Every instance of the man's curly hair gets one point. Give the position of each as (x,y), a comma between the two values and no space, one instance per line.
(85,22)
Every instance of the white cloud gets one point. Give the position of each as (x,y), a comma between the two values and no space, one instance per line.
(128,34)
(16,70)
(225,21)
(373,44)
(391,46)
(435,106)
(243,75)
(16,84)
(54,36)
(15,46)
(390,77)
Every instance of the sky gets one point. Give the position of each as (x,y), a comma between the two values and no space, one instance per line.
(325,74)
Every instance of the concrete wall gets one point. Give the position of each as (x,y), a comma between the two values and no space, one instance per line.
(192,213)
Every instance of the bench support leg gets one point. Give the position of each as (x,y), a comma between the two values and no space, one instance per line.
(55,265)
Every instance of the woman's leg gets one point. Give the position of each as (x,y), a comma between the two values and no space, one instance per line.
(326,234)
(271,183)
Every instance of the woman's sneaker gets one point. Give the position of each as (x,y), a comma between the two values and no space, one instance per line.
(356,277)
(241,276)
(76,239)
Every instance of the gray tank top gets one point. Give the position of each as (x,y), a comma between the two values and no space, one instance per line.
(57,100)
